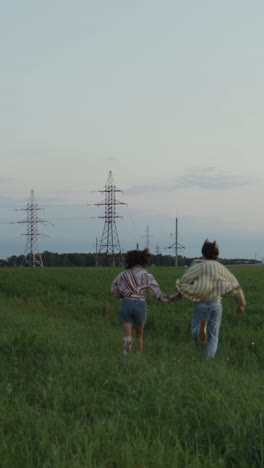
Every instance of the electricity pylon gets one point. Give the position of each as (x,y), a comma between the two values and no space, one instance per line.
(32,256)
(147,237)
(109,243)
(176,244)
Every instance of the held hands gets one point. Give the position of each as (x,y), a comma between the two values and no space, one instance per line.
(176,298)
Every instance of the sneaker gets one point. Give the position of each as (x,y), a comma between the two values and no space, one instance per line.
(202,337)
(127,346)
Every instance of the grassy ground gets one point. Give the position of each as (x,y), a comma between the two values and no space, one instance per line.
(69,399)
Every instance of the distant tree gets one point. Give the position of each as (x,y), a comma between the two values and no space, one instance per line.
(54,259)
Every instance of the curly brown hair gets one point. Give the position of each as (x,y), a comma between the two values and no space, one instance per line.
(210,250)
(137,257)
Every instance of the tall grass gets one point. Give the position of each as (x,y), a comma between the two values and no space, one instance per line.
(69,399)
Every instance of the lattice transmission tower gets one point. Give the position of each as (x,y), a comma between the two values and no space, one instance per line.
(148,236)
(109,243)
(32,256)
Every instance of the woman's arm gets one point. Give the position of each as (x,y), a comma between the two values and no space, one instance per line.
(115,289)
(155,291)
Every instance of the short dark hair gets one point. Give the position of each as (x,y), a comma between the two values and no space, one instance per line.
(210,250)
(137,257)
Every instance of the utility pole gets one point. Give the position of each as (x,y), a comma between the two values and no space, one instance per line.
(32,256)
(109,243)
(96,252)
(176,244)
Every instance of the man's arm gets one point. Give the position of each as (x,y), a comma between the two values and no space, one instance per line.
(239,298)
(191,274)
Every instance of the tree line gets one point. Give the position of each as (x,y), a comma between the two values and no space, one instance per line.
(54,259)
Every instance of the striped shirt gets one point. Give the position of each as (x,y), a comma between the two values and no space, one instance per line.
(209,279)
(134,283)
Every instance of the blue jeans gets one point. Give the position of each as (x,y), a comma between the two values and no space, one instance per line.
(211,311)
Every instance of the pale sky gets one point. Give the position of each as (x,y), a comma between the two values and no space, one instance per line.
(166,94)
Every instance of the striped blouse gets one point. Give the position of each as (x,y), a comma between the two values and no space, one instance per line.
(134,283)
(209,279)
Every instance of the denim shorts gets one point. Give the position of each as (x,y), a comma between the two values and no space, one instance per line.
(132,311)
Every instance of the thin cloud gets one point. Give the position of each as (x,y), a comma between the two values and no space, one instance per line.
(111,158)
(3,180)
(208,178)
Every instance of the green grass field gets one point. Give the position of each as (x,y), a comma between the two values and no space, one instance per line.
(70,399)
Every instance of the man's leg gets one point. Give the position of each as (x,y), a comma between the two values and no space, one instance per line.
(199,321)
(213,328)
(202,331)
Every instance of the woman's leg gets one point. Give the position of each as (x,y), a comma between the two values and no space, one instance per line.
(127,337)
(140,317)
(213,328)
(139,336)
